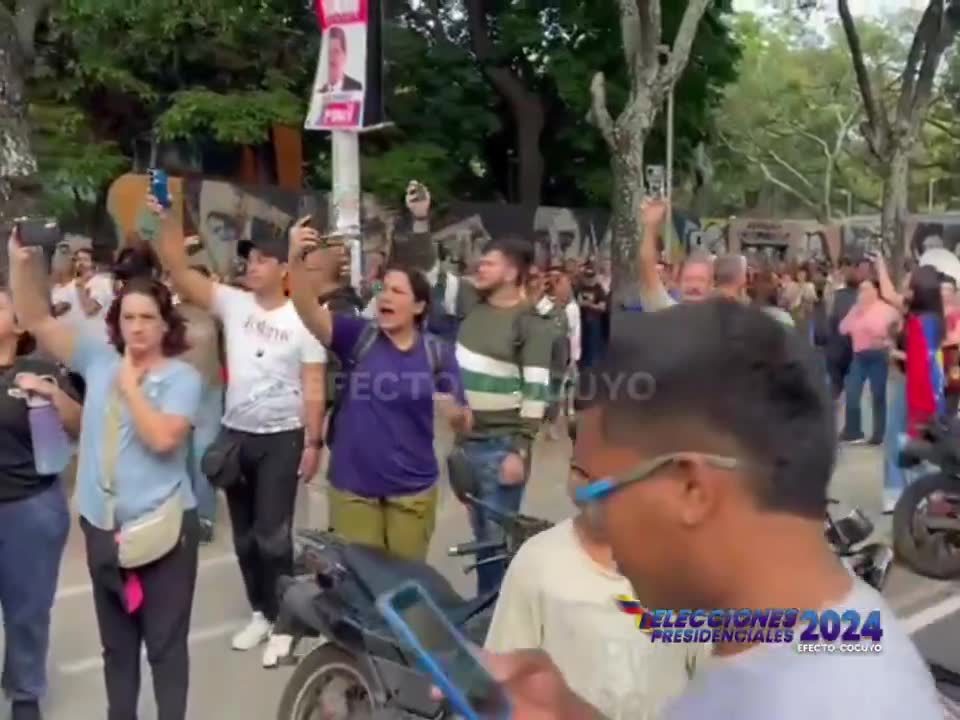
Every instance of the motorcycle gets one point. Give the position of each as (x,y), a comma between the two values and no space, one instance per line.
(926,518)
(360,669)
(871,562)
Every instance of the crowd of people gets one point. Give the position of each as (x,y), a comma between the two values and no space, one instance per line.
(709,492)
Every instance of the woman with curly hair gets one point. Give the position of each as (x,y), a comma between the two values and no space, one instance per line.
(134,495)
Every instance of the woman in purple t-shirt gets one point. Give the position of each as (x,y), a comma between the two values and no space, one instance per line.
(383,469)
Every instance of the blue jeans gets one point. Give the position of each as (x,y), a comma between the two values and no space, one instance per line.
(486,456)
(894,476)
(205,429)
(868,366)
(33,533)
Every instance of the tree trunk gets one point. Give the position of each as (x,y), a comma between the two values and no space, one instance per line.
(894,212)
(628,191)
(529,120)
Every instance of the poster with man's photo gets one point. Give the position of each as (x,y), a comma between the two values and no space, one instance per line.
(347,87)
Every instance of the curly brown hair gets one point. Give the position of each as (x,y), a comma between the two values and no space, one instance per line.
(174,340)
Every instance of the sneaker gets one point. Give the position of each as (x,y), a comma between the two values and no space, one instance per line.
(25,710)
(206,532)
(278,647)
(256,632)
(853,440)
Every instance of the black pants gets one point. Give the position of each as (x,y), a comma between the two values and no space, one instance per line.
(162,624)
(261,512)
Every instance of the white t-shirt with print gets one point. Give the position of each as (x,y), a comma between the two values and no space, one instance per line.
(556,598)
(266,350)
(101,290)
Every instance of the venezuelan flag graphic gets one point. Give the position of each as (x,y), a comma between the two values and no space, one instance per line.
(924,365)
(631,606)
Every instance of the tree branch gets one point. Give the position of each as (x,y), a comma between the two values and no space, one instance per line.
(651,27)
(942,36)
(768,174)
(683,42)
(876,120)
(599,115)
(790,168)
(632,34)
(908,79)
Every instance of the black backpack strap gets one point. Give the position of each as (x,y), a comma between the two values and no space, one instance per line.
(368,336)
(435,346)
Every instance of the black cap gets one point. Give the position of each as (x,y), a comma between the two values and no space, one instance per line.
(269,239)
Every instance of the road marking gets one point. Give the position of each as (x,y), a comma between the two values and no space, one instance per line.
(86,588)
(930,615)
(80,667)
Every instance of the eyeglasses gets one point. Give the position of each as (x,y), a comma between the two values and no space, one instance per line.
(589,491)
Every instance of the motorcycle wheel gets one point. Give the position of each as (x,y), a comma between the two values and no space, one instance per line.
(933,554)
(328,684)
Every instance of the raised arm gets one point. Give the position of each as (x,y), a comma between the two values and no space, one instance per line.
(189,284)
(888,290)
(304,240)
(653,295)
(31,301)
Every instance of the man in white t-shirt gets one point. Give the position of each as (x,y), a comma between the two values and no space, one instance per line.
(711,494)
(560,595)
(274,408)
(83,300)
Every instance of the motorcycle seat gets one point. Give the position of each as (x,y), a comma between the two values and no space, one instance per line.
(379,572)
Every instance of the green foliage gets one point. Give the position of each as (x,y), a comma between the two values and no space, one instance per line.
(241,117)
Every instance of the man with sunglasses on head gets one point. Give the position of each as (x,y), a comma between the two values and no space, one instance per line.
(713,497)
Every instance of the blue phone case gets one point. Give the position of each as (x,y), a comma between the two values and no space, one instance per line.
(453,694)
(159,187)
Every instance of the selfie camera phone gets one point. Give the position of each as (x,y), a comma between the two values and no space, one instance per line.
(654,177)
(443,653)
(160,186)
(39,232)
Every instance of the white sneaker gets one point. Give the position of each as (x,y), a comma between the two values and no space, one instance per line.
(278,647)
(256,632)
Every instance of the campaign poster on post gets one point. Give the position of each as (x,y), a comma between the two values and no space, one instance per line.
(346,90)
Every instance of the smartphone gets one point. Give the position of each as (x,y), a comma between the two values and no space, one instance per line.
(444,653)
(160,186)
(39,232)
(654,176)
(417,191)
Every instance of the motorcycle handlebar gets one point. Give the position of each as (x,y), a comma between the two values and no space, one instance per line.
(475,548)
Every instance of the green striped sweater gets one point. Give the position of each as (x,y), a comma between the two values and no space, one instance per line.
(504,362)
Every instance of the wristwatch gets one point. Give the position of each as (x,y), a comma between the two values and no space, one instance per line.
(316,444)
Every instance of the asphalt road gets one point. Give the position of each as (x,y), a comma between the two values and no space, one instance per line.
(226,684)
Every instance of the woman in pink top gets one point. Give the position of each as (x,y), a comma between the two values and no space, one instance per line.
(868,324)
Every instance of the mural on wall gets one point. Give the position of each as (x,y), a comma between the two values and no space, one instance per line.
(223,213)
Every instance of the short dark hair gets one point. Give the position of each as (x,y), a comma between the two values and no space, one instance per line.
(137,260)
(337,33)
(175,340)
(771,409)
(516,250)
(419,285)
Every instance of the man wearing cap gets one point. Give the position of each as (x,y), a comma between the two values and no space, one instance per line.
(273,411)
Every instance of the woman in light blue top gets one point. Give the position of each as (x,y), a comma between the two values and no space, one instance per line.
(139,405)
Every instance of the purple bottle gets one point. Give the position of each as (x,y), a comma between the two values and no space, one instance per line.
(51,446)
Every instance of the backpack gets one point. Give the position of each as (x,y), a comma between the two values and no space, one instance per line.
(368,336)
(341,302)
(556,318)
(439,321)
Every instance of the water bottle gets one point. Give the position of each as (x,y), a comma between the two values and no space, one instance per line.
(51,446)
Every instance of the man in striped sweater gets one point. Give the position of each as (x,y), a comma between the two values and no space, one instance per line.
(503,350)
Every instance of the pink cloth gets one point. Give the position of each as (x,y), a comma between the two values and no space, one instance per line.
(869,328)
(132,592)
